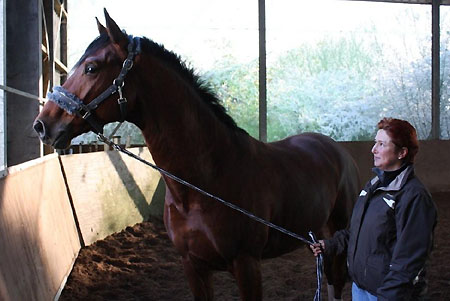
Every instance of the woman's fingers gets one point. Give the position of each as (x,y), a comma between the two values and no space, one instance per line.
(317,248)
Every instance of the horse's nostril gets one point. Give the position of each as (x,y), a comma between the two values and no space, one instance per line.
(39,127)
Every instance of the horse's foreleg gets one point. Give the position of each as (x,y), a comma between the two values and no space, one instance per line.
(336,268)
(200,281)
(340,275)
(336,272)
(247,272)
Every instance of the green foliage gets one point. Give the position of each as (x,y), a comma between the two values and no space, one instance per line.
(327,55)
(236,85)
(325,88)
(340,87)
(126,131)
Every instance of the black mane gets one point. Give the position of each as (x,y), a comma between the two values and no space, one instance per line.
(175,62)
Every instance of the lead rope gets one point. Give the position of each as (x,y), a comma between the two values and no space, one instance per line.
(319,259)
(319,269)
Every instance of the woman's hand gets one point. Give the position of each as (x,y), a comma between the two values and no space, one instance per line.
(317,248)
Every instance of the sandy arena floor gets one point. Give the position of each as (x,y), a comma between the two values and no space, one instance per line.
(140,263)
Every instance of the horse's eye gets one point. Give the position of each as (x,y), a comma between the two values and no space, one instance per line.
(90,68)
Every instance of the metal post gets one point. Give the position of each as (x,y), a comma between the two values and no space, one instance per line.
(262,71)
(435,71)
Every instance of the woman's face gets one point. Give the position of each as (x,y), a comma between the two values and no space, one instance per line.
(386,156)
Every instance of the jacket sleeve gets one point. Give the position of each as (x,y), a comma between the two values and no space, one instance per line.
(337,244)
(415,217)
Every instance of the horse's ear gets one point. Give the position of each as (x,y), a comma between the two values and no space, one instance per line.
(101,28)
(114,32)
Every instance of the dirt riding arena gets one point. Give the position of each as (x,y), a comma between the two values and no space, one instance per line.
(140,263)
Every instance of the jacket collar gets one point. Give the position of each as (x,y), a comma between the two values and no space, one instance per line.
(398,182)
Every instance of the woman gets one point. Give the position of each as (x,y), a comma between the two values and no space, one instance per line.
(391,230)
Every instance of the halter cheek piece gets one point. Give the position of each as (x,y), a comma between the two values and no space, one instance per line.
(75,106)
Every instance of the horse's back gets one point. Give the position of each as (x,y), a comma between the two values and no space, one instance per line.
(311,145)
(318,152)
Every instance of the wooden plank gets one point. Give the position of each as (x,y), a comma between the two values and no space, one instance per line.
(111,191)
(59,7)
(38,237)
(44,50)
(61,67)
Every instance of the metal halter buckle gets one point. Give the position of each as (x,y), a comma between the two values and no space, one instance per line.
(127,64)
(121,98)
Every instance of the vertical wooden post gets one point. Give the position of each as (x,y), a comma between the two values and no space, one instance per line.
(2,93)
(23,72)
(262,71)
(435,71)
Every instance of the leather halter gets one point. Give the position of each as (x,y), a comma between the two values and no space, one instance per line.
(75,106)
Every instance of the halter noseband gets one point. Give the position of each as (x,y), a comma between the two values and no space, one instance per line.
(75,106)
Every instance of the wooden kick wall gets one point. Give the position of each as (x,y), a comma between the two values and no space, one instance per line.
(432,163)
(41,234)
(38,237)
(111,191)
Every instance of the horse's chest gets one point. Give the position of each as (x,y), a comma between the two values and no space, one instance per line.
(193,233)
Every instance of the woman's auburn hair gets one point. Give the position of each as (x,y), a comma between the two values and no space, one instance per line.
(402,134)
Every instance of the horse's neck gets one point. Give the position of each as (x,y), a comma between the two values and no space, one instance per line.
(182,133)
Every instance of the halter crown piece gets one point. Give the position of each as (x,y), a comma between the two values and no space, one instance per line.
(75,106)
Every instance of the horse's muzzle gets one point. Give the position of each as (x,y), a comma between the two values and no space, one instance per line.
(39,127)
(59,140)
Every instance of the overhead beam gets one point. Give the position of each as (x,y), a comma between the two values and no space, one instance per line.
(443,2)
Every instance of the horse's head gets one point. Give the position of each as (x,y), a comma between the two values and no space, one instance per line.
(92,95)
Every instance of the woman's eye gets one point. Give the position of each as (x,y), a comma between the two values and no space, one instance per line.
(89,69)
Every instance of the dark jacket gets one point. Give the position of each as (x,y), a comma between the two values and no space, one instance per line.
(389,238)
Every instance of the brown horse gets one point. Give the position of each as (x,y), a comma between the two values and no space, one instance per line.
(305,182)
